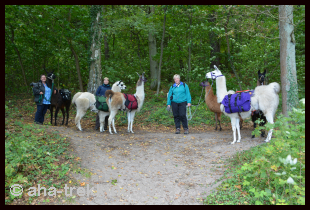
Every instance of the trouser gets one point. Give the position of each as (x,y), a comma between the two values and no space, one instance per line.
(41,110)
(98,122)
(179,113)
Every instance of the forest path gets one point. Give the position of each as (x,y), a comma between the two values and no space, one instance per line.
(152,168)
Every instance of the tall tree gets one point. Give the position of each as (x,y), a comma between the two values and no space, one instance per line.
(161,50)
(214,42)
(95,49)
(287,59)
(152,52)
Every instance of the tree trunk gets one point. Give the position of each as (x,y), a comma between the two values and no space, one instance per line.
(189,49)
(214,44)
(161,50)
(95,72)
(76,58)
(228,50)
(180,60)
(105,38)
(152,52)
(287,59)
(18,54)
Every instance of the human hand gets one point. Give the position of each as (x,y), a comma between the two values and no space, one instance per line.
(54,91)
(41,93)
(188,104)
(169,106)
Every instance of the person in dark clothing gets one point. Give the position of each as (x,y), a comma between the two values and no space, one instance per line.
(179,97)
(101,92)
(42,97)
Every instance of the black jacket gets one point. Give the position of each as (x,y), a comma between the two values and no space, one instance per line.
(36,92)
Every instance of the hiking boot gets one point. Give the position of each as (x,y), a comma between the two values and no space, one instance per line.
(185,131)
(177,131)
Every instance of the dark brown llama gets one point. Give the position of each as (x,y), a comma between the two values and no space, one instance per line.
(56,100)
(258,114)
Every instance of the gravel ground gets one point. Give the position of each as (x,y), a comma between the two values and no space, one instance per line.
(152,168)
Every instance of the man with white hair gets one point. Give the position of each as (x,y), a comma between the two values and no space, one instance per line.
(179,97)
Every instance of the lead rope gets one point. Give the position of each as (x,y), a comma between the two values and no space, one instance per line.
(189,108)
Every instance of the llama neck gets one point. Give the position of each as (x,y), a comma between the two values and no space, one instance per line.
(221,89)
(209,94)
(140,94)
(116,88)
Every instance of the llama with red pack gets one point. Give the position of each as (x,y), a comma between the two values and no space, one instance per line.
(131,103)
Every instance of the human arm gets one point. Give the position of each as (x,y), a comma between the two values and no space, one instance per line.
(168,97)
(188,96)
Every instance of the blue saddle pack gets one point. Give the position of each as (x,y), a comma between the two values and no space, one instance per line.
(238,102)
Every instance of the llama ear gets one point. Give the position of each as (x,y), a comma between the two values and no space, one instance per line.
(265,71)
(120,82)
(258,72)
(138,74)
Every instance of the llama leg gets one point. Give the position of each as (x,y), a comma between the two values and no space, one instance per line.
(67,110)
(238,128)
(215,116)
(253,136)
(219,119)
(56,113)
(132,116)
(128,119)
(101,116)
(51,114)
(111,118)
(269,118)
(63,115)
(233,126)
(113,125)
(79,115)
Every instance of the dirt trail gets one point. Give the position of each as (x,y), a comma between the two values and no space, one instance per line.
(152,168)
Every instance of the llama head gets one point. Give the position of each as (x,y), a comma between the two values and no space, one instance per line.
(121,85)
(214,74)
(141,80)
(261,77)
(50,75)
(204,83)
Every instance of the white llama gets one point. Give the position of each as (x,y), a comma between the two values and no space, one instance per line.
(265,98)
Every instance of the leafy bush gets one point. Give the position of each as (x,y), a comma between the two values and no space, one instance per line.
(273,173)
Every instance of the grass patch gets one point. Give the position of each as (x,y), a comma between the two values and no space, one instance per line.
(272,173)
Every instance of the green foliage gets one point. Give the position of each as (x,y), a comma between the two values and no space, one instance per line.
(31,154)
(43,34)
(272,173)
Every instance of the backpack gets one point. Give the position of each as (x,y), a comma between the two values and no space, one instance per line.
(238,102)
(101,103)
(131,101)
(65,94)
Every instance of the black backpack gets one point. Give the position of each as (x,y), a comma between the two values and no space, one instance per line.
(65,94)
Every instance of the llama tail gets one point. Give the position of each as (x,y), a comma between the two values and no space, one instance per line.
(76,96)
(109,93)
(275,86)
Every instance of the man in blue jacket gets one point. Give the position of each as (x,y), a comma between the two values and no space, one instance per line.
(101,92)
(178,97)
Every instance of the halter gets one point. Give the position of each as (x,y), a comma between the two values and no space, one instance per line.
(262,83)
(144,80)
(51,78)
(213,76)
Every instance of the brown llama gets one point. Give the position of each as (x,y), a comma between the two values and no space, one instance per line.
(211,102)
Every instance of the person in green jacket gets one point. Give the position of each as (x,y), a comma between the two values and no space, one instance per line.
(178,98)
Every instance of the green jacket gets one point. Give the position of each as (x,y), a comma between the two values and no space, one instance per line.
(179,94)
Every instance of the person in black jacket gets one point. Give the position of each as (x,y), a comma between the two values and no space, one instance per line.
(42,97)
(101,92)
